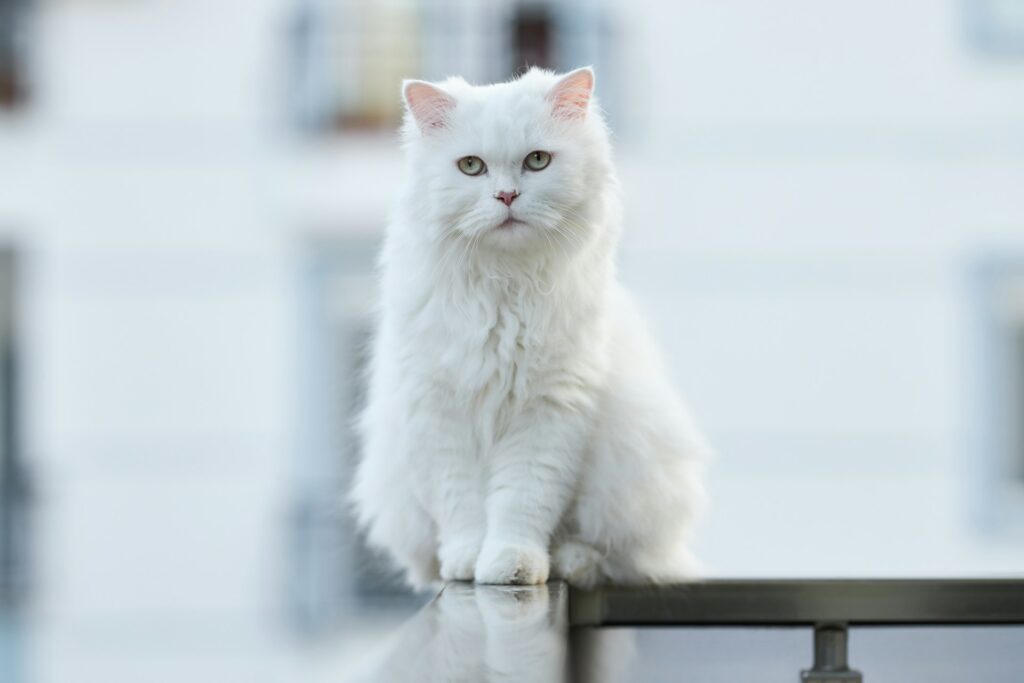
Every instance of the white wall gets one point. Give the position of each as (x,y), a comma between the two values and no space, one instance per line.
(804,209)
(158,312)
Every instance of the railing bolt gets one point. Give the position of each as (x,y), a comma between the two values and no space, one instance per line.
(830,663)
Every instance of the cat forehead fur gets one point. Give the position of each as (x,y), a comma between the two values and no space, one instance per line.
(499,117)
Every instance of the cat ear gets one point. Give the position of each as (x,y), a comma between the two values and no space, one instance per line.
(571,95)
(427,103)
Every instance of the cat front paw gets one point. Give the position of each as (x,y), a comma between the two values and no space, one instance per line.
(514,564)
(458,560)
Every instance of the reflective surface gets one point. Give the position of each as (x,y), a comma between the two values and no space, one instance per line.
(487,634)
(477,634)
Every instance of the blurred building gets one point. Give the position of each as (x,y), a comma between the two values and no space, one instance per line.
(824,224)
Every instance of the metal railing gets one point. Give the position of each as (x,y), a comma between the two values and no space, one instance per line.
(829,606)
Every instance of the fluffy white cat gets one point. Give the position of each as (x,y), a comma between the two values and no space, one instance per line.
(519,425)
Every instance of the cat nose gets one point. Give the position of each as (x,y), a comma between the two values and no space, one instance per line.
(506,197)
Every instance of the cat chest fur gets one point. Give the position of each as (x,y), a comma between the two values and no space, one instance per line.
(496,346)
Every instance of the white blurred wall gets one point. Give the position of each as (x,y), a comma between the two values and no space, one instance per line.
(805,186)
(140,185)
(803,218)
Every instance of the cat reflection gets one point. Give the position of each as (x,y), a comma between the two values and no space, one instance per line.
(496,634)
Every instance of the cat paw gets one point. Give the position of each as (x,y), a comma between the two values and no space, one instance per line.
(503,563)
(458,560)
(577,563)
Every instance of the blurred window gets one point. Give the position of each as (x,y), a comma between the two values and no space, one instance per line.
(1002,404)
(1019,446)
(533,30)
(333,574)
(1015,342)
(13,489)
(996,27)
(13,483)
(13,77)
(348,56)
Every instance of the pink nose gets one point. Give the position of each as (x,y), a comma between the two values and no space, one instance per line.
(507,197)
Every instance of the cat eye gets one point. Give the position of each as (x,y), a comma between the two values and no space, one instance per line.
(537,161)
(472,165)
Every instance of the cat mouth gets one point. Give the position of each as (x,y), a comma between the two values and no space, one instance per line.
(509,223)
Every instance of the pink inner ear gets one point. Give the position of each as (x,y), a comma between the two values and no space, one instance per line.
(571,95)
(428,103)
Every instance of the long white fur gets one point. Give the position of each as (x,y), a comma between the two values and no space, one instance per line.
(518,424)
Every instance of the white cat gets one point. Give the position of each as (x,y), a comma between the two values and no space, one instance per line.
(518,423)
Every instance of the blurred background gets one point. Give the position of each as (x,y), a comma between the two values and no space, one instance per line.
(824,223)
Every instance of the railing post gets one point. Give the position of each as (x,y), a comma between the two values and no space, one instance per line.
(830,657)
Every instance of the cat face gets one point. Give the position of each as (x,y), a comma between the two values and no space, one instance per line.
(511,166)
